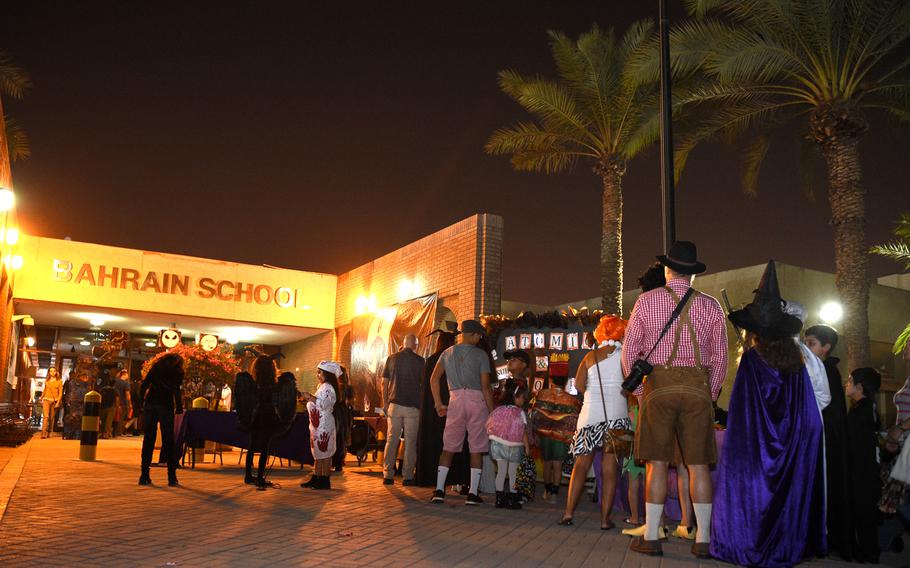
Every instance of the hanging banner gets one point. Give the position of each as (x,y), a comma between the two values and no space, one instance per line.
(541,342)
(375,335)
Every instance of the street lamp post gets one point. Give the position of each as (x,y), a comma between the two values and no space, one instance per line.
(668,193)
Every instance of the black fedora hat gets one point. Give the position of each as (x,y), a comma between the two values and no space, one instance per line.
(683,258)
(765,315)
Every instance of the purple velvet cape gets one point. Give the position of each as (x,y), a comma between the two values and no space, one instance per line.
(769,502)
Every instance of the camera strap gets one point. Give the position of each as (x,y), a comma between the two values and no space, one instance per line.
(676,311)
(600,382)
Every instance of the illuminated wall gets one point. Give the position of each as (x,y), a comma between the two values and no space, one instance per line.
(462,262)
(86,274)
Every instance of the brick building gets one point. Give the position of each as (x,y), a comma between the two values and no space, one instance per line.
(74,293)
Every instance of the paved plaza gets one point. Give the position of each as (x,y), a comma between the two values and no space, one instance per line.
(60,511)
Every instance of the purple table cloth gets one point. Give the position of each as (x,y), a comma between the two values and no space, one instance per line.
(222,427)
(671,507)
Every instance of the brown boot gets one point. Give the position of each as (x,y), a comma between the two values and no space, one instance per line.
(701,550)
(647,547)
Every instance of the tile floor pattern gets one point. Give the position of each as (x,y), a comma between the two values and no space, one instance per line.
(64,512)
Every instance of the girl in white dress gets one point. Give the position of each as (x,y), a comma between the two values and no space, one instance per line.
(322,423)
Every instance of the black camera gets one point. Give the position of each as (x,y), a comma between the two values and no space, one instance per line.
(640,369)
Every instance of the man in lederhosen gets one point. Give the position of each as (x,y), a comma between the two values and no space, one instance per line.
(690,364)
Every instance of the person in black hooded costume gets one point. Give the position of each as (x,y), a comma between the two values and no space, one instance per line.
(429,432)
(864,469)
(821,340)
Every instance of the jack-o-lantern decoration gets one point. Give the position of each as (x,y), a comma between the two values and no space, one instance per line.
(169,338)
(208,341)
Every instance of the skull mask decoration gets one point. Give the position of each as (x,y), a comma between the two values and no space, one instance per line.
(207,341)
(168,338)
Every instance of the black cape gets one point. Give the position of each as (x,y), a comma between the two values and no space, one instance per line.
(429,435)
(840,523)
(864,473)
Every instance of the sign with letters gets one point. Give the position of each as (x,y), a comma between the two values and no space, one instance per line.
(100,276)
(556,340)
(525,341)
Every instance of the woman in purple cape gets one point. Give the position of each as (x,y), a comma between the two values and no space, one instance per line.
(769,505)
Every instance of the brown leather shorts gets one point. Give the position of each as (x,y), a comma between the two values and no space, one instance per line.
(676,404)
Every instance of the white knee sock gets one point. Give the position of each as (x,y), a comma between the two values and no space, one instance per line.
(475,479)
(513,474)
(703,518)
(653,513)
(502,467)
(442,472)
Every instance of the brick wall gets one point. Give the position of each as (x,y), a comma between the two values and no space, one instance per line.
(305,355)
(462,262)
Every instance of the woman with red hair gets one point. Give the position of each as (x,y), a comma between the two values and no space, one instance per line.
(603,415)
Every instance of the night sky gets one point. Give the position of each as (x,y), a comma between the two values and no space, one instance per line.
(320,137)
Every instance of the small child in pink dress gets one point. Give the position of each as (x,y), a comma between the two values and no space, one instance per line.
(508,430)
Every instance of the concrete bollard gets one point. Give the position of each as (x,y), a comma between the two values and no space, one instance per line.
(91,421)
(199,403)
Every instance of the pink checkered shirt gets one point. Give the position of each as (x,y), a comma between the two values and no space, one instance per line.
(651,312)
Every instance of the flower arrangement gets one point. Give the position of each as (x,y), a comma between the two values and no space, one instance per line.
(218,366)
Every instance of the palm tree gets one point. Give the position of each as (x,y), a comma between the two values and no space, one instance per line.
(827,62)
(13,142)
(593,112)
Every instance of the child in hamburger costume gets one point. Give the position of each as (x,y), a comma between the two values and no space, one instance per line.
(554,415)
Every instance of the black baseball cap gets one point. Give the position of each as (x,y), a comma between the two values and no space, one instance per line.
(518,354)
(472,326)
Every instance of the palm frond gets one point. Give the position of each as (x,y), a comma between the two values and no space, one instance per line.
(17,141)
(902,230)
(529,145)
(901,344)
(13,80)
(896,251)
(753,157)
(551,103)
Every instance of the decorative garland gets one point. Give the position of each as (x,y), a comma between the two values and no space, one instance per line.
(200,367)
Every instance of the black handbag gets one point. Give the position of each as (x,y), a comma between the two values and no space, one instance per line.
(641,368)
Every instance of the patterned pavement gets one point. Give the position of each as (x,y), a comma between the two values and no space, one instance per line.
(64,512)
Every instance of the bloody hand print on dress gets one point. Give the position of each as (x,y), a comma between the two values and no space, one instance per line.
(323,443)
(314,418)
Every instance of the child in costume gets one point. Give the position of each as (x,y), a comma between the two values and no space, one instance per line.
(322,423)
(554,415)
(508,430)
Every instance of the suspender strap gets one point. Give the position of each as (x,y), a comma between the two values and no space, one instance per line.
(684,320)
(676,311)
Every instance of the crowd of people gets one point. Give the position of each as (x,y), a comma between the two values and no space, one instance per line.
(799,472)
(65,402)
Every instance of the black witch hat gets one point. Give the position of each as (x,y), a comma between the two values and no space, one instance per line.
(765,316)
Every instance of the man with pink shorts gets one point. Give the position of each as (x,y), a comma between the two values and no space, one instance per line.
(467,371)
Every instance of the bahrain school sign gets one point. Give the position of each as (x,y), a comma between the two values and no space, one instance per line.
(167,283)
(103,276)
